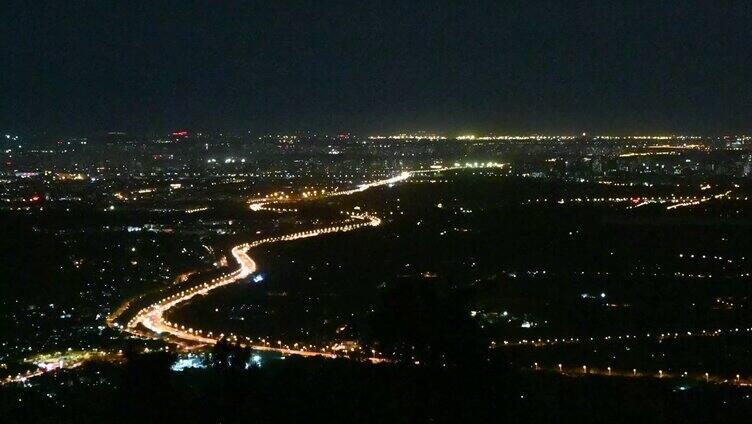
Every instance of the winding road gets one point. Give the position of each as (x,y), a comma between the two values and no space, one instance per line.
(150,321)
(152,318)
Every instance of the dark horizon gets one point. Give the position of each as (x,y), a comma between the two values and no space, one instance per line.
(383,67)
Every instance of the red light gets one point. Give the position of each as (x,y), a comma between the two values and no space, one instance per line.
(180,134)
(35,198)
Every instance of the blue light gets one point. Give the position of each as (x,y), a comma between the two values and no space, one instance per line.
(258,278)
(254,362)
(188,362)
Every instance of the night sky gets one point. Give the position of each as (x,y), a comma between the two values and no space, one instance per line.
(372,67)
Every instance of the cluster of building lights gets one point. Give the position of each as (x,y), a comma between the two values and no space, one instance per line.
(410,137)
(46,363)
(535,137)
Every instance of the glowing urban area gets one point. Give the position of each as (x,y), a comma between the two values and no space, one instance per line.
(551,258)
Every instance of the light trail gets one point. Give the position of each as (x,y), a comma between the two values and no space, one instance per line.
(277,197)
(698,201)
(152,317)
(261,204)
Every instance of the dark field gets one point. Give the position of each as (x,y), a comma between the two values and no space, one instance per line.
(496,268)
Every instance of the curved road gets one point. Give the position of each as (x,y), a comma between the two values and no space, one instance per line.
(150,321)
(152,318)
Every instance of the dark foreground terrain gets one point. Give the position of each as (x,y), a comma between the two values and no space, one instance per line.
(310,390)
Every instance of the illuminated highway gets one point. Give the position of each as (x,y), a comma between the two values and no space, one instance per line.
(152,317)
(150,321)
